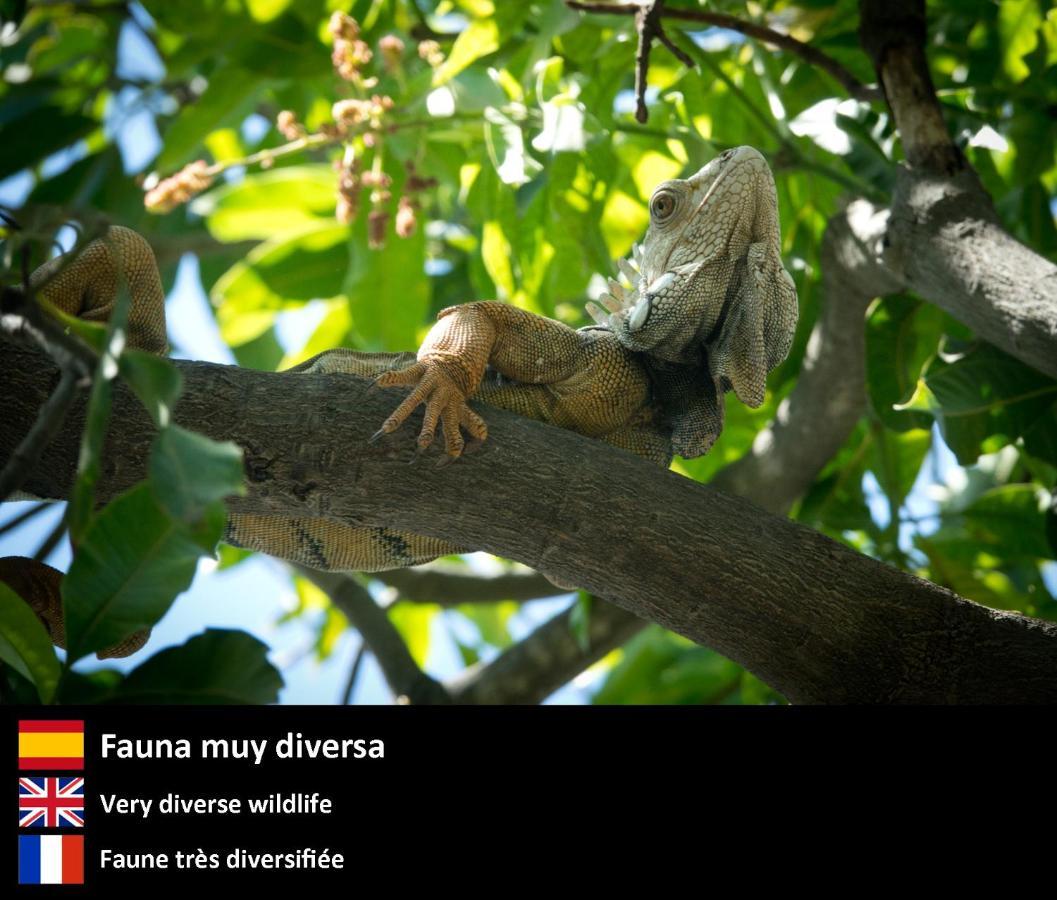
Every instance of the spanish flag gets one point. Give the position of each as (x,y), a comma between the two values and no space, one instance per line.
(54,744)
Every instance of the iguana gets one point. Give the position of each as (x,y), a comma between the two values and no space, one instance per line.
(706,307)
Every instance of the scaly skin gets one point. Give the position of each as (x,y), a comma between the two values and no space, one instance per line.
(710,309)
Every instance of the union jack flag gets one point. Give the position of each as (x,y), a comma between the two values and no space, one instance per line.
(51,802)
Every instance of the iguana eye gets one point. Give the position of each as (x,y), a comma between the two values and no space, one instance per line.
(662,205)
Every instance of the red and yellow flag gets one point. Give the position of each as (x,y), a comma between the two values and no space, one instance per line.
(54,744)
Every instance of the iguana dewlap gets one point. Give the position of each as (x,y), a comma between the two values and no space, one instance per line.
(707,307)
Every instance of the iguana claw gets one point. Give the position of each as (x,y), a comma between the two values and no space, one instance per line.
(445,405)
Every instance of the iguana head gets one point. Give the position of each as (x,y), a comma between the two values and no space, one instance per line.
(707,288)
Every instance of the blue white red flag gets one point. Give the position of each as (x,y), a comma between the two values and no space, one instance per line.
(51,859)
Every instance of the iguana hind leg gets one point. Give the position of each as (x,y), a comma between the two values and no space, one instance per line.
(88,286)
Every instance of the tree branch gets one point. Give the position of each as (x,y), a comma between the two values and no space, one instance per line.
(406,680)
(809,54)
(944,239)
(445,587)
(536,666)
(648,26)
(811,617)
(893,33)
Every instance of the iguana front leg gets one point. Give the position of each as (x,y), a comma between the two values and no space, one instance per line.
(457,352)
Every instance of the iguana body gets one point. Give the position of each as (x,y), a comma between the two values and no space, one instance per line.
(710,309)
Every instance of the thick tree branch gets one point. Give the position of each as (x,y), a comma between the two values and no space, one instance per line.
(809,54)
(943,241)
(814,619)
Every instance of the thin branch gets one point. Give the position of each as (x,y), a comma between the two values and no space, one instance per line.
(49,544)
(354,673)
(648,26)
(22,318)
(406,680)
(35,510)
(809,54)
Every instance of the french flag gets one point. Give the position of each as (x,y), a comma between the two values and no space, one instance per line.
(50,859)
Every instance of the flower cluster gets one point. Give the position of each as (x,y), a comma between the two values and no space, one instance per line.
(288,126)
(350,54)
(430,52)
(356,112)
(171,192)
(392,50)
(359,124)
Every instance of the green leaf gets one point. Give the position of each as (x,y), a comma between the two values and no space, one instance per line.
(660,667)
(280,274)
(506,149)
(478,39)
(216,666)
(902,333)
(88,688)
(986,392)
(266,205)
(156,381)
(580,620)
(12,11)
(25,644)
(38,134)
(896,460)
(492,621)
(413,620)
(835,502)
(230,95)
(388,292)
(130,565)
(1011,521)
(330,630)
(190,471)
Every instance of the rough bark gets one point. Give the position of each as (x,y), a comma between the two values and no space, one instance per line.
(814,619)
(944,241)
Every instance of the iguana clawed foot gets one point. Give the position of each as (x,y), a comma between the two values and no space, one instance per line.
(433,386)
